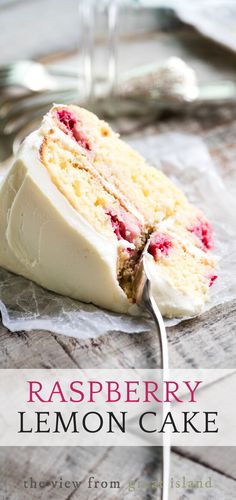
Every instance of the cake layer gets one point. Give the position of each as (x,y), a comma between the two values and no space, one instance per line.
(147,190)
(181,272)
(80,184)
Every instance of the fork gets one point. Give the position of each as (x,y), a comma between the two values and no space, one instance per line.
(21,115)
(33,76)
(30,75)
(145,298)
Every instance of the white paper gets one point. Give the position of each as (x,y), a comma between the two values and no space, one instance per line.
(215,19)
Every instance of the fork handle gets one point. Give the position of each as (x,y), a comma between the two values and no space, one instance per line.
(152,307)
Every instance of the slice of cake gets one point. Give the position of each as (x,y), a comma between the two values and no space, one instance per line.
(77,208)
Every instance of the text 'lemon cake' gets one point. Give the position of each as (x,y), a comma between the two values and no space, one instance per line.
(77,208)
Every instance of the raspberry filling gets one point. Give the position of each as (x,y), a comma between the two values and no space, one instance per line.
(160,245)
(125,226)
(70,123)
(212,278)
(203,231)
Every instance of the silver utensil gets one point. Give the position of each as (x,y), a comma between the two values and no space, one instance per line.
(13,109)
(30,75)
(34,76)
(20,116)
(145,298)
(171,85)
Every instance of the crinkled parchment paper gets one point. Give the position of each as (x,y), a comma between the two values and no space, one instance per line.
(215,19)
(184,158)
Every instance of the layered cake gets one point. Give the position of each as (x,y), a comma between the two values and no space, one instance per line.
(78,207)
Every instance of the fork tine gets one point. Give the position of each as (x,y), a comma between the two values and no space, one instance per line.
(5,69)
(14,121)
(14,74)
(13,107)
(8,102)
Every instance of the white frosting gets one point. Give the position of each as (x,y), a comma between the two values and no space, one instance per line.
(46,240)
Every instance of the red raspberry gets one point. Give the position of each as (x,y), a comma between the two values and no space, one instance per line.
(160,245)
(71,123)
(125,225)
(203,231)
(212,278)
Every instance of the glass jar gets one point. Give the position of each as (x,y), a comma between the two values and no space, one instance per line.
(118,54)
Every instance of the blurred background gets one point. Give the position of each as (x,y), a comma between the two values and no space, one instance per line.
(128,60)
